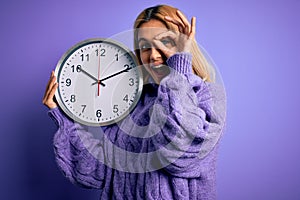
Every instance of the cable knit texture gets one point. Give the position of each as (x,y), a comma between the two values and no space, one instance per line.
(172,121)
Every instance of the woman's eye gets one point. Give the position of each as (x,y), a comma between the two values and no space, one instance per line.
(145,46)
(165,41)
(168,42)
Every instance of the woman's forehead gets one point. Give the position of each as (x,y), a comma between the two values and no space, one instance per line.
(148,30)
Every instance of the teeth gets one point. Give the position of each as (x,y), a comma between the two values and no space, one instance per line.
(157,66)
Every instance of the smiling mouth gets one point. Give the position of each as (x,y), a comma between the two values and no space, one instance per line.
(160,70)
(157,66)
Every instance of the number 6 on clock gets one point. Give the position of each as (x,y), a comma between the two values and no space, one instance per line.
(99,80)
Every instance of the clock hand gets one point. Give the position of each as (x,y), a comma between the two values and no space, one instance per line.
(99,75)
(92,77)
(110,76)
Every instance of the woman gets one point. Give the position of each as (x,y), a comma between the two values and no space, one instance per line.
(177,113)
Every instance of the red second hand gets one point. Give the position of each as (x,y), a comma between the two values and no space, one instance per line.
(99,73)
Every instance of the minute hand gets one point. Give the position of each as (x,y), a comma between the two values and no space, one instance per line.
(112,75)
(89,75)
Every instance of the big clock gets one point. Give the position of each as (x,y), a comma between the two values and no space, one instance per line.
(99,82)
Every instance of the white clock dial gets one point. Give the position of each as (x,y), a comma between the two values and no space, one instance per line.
(99,82)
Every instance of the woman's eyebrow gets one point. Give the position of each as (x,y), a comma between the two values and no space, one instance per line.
(141,40)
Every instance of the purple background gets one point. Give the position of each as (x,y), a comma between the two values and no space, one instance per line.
(255,44)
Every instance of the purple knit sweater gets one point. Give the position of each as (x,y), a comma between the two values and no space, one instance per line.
(165,148)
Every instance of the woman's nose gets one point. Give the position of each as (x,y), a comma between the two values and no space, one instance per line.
(155,54)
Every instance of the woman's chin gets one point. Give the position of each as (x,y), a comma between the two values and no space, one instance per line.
(158,75)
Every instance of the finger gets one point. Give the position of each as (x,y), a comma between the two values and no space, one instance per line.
(47,86)
(49,99)
(166,34)
(50,85)
(193,27)
(166,40)
(49,81)
(177,23)
(166,51)
(52,91)
(184,21)
(159,45)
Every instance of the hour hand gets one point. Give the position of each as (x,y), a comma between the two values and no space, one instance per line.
(92,77)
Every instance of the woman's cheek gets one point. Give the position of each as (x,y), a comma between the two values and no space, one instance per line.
(144,58)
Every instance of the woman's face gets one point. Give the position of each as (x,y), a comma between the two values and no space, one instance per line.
(152,58)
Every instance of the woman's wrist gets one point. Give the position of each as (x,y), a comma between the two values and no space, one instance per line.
(181,62)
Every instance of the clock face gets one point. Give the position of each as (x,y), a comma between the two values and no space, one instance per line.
(99,82)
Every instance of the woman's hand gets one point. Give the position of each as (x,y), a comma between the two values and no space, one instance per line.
(48,99)
(171,42)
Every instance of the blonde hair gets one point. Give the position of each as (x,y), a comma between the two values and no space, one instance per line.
(200,65)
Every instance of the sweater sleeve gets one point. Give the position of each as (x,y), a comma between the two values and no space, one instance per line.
(73,158)
(193,122)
